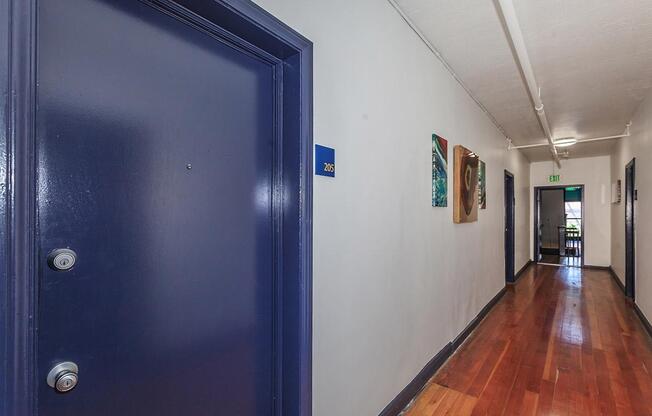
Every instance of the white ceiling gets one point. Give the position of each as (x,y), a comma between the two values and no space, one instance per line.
(592,60)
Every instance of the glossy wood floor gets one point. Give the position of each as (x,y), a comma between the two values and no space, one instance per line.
(562,341)
(561,260)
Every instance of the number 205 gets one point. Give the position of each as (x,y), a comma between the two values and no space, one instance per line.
(329,167)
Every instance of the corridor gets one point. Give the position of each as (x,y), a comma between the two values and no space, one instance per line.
(562,341)
(325,208)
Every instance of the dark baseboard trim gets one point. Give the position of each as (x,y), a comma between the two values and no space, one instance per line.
(520,272)
(639,312)
(400,402)
(643,319)
(476,321)
(616,279)
(591,267)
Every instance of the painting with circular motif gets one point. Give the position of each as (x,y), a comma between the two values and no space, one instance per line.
(465,185)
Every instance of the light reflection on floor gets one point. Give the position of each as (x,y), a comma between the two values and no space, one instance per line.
(562,260)
(572,326)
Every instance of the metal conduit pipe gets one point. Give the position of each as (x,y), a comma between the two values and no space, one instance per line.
(506,8)
(595,139)
(592,139)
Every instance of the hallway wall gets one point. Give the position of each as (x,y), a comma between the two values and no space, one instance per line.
(639,146)
(553,214)
(394,279)
(518,165)
(595,174)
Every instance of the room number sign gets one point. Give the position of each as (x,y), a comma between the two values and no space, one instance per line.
(324,161)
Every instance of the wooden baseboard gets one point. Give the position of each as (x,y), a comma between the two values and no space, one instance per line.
(400,402)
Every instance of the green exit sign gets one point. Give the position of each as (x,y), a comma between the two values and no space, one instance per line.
(554,178)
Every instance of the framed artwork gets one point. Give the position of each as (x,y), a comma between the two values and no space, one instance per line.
(465,185)
(482,184)
(439,171)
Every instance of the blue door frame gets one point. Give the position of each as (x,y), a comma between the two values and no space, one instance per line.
(243,24)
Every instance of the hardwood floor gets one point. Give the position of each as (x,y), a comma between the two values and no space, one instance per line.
(562,341)
(561,260)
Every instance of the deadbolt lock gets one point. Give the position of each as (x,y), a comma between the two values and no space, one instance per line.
(62,259)
(63,377)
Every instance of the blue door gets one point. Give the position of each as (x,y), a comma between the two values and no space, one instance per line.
(155,175)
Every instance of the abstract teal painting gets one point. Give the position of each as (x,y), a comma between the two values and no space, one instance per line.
(439,171)
(482,182)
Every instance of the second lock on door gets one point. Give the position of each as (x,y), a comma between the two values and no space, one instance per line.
(62,259)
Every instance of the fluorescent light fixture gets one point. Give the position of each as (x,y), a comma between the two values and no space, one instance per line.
(565,142)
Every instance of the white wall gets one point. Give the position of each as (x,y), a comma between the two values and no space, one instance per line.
(551,216)
(638,146)
(595,174)
(394,279)
(519,166)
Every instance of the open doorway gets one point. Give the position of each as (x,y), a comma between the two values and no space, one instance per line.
(559,225)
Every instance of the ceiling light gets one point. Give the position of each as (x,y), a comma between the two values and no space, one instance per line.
(565,142)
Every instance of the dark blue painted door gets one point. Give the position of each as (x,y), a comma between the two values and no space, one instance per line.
(155,147)
(509,227)
(630,223)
